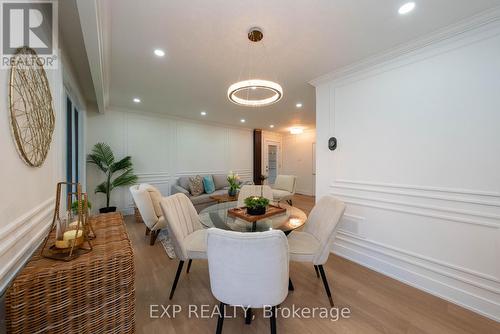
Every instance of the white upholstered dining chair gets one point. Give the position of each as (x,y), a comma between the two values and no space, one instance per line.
(284,188)
(147,199)
(314,243)
(185,230)
(248,269)
(254,190)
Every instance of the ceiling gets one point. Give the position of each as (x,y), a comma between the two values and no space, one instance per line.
(207,50)
(72,40)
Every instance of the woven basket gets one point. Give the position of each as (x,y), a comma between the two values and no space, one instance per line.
(92,294)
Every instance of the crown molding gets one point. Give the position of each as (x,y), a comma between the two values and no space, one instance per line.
(151,114)
(475,22)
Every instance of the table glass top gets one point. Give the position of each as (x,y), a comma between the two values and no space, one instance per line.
(216,216)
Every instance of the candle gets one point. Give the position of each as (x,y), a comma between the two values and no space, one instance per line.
(74,225)
(72,234)
(69,238)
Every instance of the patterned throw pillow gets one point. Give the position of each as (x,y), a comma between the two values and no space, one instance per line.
(196,185)
(208,184)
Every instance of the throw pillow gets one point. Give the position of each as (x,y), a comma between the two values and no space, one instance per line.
(196,185)
(155,196)
(208,184)
(156,199)
(220,181)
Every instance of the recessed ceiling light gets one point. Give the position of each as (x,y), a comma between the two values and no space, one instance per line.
(242,120)
(296,130)
(271,126)
(299,105)
(137,100)
(406,8)
(159,52)
(203,113)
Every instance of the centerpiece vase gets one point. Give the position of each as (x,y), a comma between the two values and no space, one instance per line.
(232,192)
(257,211)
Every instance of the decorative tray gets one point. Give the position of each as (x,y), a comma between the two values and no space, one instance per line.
(241,213)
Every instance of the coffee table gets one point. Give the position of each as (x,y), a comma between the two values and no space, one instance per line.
(224,198)
(217,216)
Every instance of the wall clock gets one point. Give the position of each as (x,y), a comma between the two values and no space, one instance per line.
(30,104)
(332,143)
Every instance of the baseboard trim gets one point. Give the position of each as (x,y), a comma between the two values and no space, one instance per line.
(306,193)
(455,295)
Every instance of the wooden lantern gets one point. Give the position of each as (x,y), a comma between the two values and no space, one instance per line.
(67,235)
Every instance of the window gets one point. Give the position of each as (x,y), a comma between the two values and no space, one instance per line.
(72,142)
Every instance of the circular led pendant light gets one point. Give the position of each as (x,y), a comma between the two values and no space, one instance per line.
(255,85)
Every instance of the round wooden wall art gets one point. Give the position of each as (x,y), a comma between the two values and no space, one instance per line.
(30,103)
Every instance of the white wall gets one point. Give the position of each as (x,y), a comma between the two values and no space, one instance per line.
(418,165)
(298,160)
(164,148)
(27,196)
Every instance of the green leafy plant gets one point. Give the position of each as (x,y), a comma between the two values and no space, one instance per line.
(234,181)
(256,202)
(74,206)
(102,156)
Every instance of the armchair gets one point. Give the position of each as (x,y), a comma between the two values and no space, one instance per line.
(284,188)
(147,199)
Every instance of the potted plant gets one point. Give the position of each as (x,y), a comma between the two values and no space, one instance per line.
(234,183)
(256,206)
(102,156)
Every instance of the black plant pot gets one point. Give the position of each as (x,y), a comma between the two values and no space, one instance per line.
(260,210)
(108,209)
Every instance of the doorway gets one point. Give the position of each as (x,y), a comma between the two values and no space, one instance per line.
(271,160)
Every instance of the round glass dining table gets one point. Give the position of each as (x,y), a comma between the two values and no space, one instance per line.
(217,216)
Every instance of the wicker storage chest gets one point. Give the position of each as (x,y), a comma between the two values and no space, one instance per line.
(92,294)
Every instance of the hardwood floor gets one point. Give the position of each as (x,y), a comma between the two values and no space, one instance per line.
(378,304)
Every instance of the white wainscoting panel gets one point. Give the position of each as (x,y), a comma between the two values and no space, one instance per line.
(21,237)
(417,165)
(164,149)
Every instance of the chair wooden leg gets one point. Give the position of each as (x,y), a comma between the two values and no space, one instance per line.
(248,316)
(154,235)
(189,266)
(147,230)
(220,321)
(317,271)
(325,283)
(290,285)
(174,285)
(273,320)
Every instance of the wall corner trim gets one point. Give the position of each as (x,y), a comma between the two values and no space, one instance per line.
(455,30)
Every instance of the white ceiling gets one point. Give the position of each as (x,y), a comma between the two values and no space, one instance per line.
(206,48)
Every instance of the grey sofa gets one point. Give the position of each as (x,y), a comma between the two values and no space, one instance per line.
(202,201)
